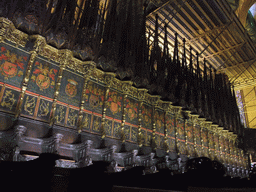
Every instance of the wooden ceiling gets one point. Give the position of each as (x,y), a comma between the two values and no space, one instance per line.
(214,31)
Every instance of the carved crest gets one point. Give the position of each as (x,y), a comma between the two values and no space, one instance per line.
(12,64)
(71,88)
(44,76)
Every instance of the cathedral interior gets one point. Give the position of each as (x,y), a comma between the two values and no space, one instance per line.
(151,83)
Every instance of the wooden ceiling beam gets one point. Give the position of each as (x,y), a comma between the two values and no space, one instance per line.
(204,13)
(227,49)
(159,8)
(245,84)
(174,29)
(212,11)
(197,16)
(238,65)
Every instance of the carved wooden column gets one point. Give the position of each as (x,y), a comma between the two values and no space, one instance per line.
(126,87)
(208,127)
(202,124)
(230,134)
(233,140)
(235,149)
(65,57)
(214,128)
(177,111)
(194,119)
(220,137)
(109,80)
(88,67)
(38,45)
(141,97)
(225,135)
(187,117)
(167,107)
(155,100)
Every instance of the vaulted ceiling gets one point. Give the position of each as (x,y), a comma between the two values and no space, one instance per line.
(220,32)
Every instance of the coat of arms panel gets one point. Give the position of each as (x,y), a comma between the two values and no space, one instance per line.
(159,120)
(131,114)
(114,105)
(13,64)
(180,129)
(94,97)
(43,78)
(70,89)
(146,112)
(170,125)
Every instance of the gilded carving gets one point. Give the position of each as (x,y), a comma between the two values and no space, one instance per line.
(8,99)
(142,94)
(134,135)
(43,109)
(98,75)
(140,137)
(96,124)
(127,132)
(39,43)
(72,117)
(108,127)
(85,122)
(109,79)
(51,53)
(126,87)
(10,33)
(60,114)
(88,68)
(29,105)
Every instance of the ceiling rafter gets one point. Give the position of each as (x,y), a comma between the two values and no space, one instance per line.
(228,49)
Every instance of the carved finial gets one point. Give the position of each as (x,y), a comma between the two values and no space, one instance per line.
(126,86)
(142,94)
(109,78)
(89,67)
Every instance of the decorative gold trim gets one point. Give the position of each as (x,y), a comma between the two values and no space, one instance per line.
(88,68)
(39,43)
(126,89)
(10,33)
(64,58)
(166,106)
(154,101)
